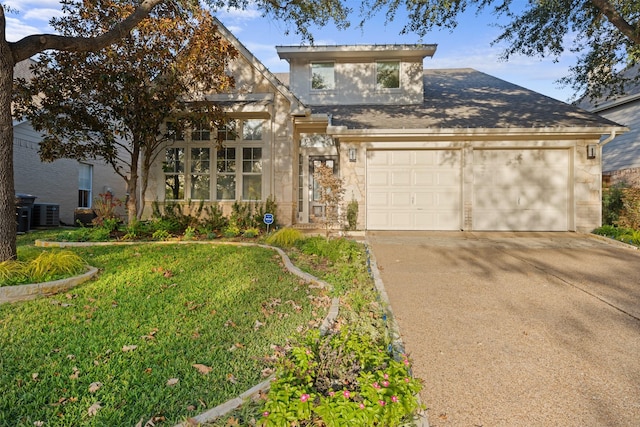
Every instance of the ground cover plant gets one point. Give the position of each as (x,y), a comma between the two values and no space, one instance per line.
(351,376)
(165,332)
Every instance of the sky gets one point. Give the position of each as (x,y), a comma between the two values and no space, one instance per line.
(467,46)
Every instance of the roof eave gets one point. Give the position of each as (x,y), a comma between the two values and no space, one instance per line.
(476,133)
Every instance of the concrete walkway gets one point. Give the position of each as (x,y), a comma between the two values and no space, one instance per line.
(517,329)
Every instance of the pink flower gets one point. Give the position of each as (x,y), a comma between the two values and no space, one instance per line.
(346,394)
(376,385)
(382,402)
(394,399)
(386,376)
(406,362)
(265,414)
(385,383)
(406,380)
(332,393)
(304,397)
(362,406)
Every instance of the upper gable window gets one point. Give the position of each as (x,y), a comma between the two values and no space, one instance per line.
(323,76)
(388,74)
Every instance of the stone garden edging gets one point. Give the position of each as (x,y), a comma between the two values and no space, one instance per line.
(37,290)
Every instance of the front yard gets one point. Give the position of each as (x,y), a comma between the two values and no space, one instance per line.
(168,331)
(164,332)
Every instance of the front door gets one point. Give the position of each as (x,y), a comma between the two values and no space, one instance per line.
(316,209)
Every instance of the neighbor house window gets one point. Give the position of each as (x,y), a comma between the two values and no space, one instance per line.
(85,183)
(322,76)
(174,173)
(226,174)
(388,74)
(252,173)
(200,173)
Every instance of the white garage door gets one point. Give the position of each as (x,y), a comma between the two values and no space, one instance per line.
(413,190)
(521,190)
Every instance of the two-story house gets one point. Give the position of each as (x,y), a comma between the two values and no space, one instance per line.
(418,149)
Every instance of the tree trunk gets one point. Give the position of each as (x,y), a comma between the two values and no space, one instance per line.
(7,189)
(132,185)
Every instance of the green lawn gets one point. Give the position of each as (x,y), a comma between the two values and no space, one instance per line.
(153,312)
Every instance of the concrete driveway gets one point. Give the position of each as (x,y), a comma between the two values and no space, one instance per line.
(517,329)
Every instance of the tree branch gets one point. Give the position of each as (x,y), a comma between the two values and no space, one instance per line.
(31,45)
(617,20)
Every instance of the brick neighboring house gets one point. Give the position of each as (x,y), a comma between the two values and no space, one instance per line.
(621,157)
(63,185)
(418,149)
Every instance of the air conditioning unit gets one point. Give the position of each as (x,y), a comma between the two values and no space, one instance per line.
(45,215)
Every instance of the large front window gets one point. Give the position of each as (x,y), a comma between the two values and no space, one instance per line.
(201,170)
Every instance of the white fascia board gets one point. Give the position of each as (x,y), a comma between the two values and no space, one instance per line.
(475,133)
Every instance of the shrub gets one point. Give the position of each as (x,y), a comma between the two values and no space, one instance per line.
(352,215)
(51,265)
(251,233)
(189,233)
(105,207)
(231,230)
(285,237)
(13,272)
(339,380)
(630,214)
(161,235)
(214,219)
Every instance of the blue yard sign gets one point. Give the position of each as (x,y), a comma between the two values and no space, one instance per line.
(268,219)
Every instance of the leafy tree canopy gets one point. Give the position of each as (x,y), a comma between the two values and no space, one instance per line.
(112,103)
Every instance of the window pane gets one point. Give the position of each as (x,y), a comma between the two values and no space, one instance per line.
(228,132)
(322,76)
(252,160)
(226,187)
(200,187)
(226,160)
(200,161)
(201,131)
(173,133)
(174,187)
(388,75)
(252,130)
(174,161)
(252,187)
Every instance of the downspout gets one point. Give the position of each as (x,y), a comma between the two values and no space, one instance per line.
(610,138)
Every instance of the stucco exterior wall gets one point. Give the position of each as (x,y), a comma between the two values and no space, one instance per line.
(356,84)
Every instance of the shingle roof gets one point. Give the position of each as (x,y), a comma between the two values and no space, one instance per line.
(466,98)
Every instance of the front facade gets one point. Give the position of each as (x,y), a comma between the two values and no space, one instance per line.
(416,149)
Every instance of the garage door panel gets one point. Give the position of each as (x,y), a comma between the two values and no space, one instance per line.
(428,200)
(400,178)
(521,190)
